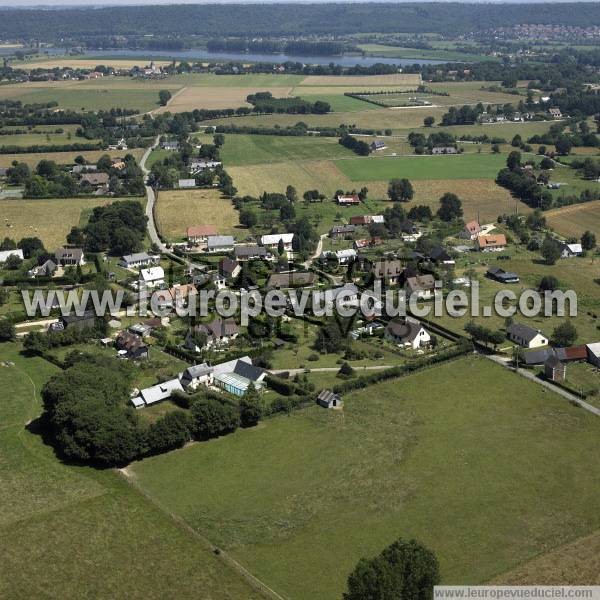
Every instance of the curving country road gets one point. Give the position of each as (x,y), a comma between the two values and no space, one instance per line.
(151,199)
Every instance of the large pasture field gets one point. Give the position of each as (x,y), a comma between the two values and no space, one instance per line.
(64,158)
(178,209)
(50,220)
(461,166)
(487,480)
(71,532)
(575,219)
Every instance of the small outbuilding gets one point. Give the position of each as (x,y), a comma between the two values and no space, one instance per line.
(327,399)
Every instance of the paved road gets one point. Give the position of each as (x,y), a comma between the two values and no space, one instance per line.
(505,362)
(152,231)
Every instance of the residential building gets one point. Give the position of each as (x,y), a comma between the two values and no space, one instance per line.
(407,332)
(197,375)
(70,257)
(137,260)
(440,256)
(502,276)
(47,269)
(327,399)
(444,150)
(555,113)
(199,234)
(197,166)
(251,252)
(87,320)
(271,242)
(6,254)
(593,353)
(94,179)
(236,376)
(186,183)
(157,393)
(220,244)
(491,243)
(131,346)
(423,286)
(390,271)
(344,256)
(471,231)
(152,277)
(218,333)
(291,280)
(79,169)
(570,250)
(526,336)
(352,200)
(341,231)
(554,369)
(346,296)
(367,243)
(230,269)
(170,145)
(378,145)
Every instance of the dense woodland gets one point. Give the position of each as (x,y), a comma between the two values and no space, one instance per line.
(285,19)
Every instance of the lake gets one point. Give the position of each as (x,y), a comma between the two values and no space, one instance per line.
(201,54)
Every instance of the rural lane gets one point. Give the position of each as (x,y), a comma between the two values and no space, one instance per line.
(151,199)
(505,362)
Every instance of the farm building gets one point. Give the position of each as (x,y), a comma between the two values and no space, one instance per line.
(593,353)
(502,276)
(186,183)
(327,399)
(353,200)
(444,150)
(554,369)
(157,393)
(338,231)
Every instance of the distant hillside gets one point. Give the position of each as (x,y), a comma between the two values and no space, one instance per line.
(285,19)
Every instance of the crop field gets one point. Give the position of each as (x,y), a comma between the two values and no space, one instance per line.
(50,220)
(369,118)
(190,98)
(462,166)
(42,139)
(65,158)
(338,102)
(86,63)
(574,220)
(64,528)
(241,150)
(504,130)
(394,465)
(178,209)
(397,79)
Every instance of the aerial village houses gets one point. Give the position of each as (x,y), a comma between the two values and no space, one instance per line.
(471,231)
(220,244)
(137,260)
(152,277)
(251,252)
(389,271)
(423,286)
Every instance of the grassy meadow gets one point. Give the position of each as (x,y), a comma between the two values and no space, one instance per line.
(178,209)
(574,220)
(70,532)
(488,480)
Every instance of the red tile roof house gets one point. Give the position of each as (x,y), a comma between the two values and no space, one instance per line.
(471,231)
(199,233)
(491,243)
(353,200)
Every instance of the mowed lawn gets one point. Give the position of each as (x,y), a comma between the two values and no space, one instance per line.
(178,209)
(50,220)
(241,150)
(71,532)
(574,220)
(483,466)
(461,166)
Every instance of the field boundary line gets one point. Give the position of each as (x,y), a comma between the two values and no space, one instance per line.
(219,553)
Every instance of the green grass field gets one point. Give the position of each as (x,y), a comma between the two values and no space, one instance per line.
(465,166)
(71,532)
(338,102)
(481,465)
(241,150)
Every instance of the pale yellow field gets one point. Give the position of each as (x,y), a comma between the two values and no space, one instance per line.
(574,220)
(214,97)
(65,158)
(50,220)
(383,118)
(74,63)
(178,209)
(577,563)
(368,80)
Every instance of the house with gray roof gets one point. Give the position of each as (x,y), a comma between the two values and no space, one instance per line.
(220,243)
(526,336)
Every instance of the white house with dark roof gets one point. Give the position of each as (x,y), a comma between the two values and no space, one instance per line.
(137,260)
(408,332)
(271,242)
(526,336)
(157,393)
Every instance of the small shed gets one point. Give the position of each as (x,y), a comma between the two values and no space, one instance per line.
(554,369)
(327,399)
